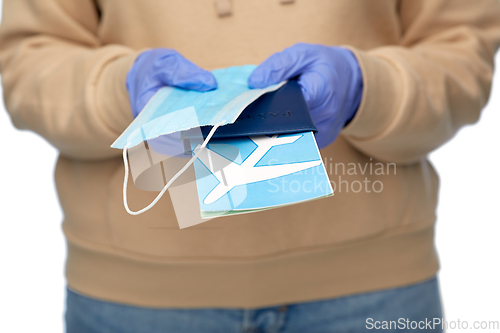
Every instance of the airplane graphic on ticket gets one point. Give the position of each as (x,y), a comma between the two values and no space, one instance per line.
(241,175)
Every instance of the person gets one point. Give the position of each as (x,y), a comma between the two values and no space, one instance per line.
(386,82)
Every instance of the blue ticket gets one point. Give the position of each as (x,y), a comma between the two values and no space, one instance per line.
(241,175)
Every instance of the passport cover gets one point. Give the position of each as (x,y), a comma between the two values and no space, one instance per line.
(283,111)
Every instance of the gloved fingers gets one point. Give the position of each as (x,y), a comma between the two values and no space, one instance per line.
(281,66)
(172,69)
(143,99)
(161,67)
(320,87)
(316,86)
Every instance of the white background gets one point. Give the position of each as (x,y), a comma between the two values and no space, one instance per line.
(32,248)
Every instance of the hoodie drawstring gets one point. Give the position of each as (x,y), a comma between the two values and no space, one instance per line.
(225,7)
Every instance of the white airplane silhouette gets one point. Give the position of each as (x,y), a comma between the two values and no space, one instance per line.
(231,174)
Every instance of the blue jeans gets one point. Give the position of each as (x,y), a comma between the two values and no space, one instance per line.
(413,304)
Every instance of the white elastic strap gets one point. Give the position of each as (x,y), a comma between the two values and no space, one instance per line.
(197,151)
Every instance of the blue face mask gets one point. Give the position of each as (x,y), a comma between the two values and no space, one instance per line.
(173,110)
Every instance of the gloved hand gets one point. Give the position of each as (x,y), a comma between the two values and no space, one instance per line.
(157,68)
(330,79)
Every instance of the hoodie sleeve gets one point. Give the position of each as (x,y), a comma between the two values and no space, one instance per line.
(59,80)
(419,93)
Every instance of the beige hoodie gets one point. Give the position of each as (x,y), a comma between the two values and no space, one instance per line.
(427,68)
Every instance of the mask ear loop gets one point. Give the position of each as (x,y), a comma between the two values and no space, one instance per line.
(196,151)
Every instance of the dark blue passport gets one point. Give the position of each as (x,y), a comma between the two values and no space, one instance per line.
(283,111)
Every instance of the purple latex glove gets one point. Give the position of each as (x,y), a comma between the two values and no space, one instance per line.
(330,79)
(157,68)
